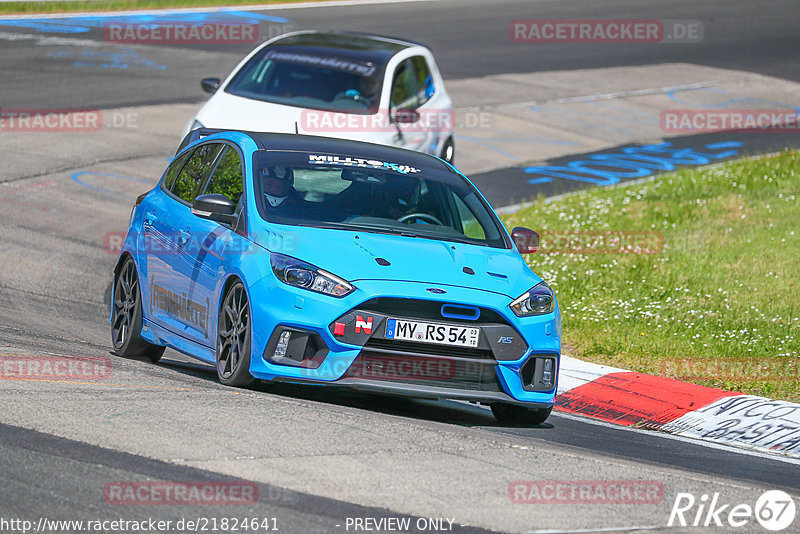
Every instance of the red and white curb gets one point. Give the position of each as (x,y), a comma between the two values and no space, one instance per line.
(640,400)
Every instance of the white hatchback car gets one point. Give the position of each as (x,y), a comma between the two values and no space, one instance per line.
(336,84)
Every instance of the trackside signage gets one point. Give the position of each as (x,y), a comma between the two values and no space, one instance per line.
(175,33)
(180,493)
(586,492)
(46,367)
(746,420)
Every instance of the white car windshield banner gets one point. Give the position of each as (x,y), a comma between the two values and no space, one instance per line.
(347,161)
(362,68)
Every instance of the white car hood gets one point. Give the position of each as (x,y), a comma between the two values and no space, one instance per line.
(233,112)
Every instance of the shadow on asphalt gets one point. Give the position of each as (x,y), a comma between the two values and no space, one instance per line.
(441,411)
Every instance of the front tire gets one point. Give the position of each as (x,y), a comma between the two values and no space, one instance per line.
(520,415)
(126,317)
(449,151)
(233,338)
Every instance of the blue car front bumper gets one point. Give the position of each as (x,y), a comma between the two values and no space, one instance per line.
(301,336)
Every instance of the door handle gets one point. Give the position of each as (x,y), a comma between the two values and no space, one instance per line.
(149,219)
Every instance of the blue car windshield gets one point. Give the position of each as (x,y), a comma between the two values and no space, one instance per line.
(374,196)
(310,81)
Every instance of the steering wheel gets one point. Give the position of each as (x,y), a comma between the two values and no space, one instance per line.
(423,216)
(354,96)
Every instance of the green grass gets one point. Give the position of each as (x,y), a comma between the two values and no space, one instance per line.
(718,306)
(115,5)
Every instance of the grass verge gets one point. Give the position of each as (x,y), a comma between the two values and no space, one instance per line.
(693,276)
(79,6)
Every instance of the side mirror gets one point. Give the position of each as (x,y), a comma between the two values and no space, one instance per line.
(215,207)
(210,85)
(405,116)
(527,240)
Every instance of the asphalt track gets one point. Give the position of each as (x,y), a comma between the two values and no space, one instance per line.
(318,456)
(469,39)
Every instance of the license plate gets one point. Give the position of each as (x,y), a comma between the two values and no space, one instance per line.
(442,334)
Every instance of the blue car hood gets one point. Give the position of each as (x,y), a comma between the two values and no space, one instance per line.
(354,256)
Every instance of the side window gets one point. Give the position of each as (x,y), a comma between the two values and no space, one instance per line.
(470,226)
(404,87)
(422,73)
(173,170)
(227,178)
(196,171)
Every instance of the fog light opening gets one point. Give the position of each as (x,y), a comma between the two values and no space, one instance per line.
(547,375)
(283,344)
(539,372)
(295,347)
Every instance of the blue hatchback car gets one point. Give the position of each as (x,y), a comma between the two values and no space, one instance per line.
(314,260)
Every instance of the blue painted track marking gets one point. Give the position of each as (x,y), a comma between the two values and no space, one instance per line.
(84,23)
(123,59)
(77,175)
(632,162)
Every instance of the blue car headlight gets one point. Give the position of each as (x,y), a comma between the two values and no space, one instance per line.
(537,301)
(300,274)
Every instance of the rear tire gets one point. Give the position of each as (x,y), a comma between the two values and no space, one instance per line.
(512,413)
(233,338)
(126,317)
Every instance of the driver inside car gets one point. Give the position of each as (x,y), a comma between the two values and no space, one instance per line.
(400,197)
(280,196)
(368,89)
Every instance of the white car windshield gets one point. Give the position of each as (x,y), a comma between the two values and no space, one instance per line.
(309,80)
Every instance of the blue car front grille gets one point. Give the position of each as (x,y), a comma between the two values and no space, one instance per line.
(432,310)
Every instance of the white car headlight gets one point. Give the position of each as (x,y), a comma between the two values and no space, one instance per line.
(300,274)
(537,301)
